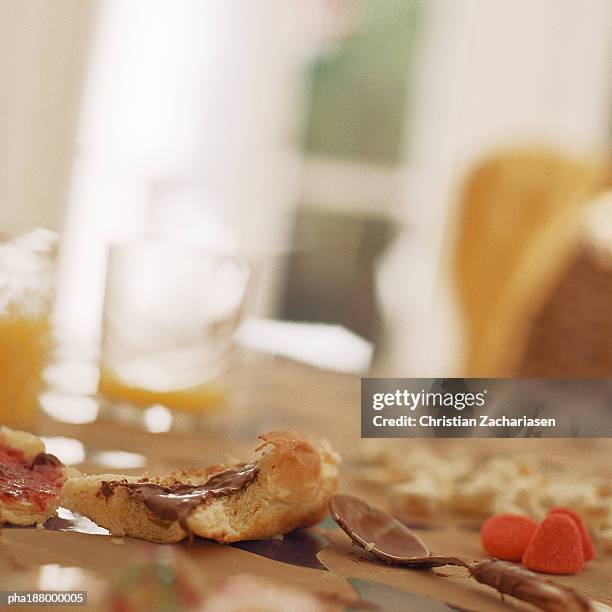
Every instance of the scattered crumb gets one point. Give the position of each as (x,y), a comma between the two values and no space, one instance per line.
(419,482)
(117,541)
(40,526)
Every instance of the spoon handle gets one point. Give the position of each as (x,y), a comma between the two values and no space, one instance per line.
(527,586)
(439,561)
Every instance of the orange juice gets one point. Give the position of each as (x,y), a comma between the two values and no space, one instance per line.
(200,398)
(27,281)
(24,350)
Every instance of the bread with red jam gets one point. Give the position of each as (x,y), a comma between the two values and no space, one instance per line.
(286,487)
(30,479)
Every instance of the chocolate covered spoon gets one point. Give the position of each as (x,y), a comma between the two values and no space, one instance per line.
(387,538)
(383,535)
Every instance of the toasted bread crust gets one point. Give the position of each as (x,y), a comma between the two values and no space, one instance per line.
(29,444)
(295,480)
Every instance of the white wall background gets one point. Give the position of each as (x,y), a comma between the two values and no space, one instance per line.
(43,54)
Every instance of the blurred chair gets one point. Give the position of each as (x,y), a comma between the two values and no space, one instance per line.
(571,335)
(518,231)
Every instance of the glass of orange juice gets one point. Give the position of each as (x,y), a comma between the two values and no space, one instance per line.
(27,282)
(170,314)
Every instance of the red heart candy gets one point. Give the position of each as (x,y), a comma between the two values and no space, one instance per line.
(505,536)
(555,547)
(587,544)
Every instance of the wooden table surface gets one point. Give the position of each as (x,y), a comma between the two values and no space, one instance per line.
(272,394)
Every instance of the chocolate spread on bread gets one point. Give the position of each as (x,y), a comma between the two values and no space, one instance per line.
(46,459)
(175,502)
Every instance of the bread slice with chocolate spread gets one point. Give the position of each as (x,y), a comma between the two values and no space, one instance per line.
(287,487)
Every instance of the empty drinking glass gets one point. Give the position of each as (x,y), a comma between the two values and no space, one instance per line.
(170,314)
